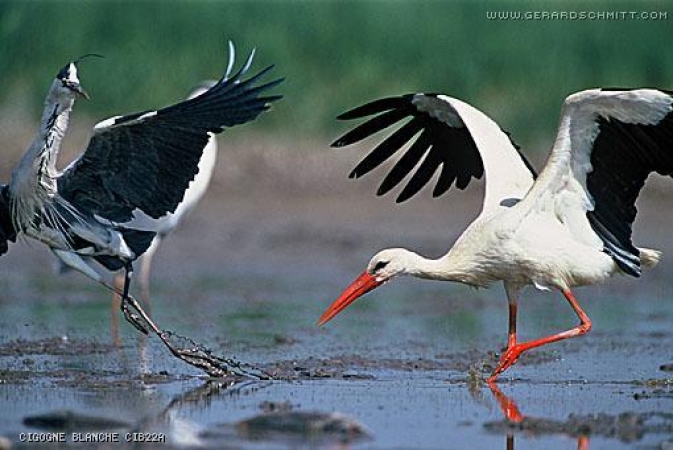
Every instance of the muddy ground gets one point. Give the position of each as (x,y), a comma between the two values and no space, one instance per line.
(247,275)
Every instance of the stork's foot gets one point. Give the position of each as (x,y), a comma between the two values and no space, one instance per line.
(508,359)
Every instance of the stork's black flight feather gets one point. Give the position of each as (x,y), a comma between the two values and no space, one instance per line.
(439,146)
(623,156)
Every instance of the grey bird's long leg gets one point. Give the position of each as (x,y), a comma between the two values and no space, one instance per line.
(131,317)
(189,351)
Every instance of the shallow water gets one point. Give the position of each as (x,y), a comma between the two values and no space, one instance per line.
(405,363)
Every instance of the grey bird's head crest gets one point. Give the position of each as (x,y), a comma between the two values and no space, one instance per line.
(68,75)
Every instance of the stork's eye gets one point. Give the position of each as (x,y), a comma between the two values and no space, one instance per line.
(380,265)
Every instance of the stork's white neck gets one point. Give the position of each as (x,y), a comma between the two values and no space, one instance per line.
(422,267)
(33,180)
(449,267)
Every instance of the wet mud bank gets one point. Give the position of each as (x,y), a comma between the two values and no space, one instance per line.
(249,275)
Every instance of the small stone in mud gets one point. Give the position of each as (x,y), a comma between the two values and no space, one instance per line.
(355,375)
(156,378)
(319,373)
(666,367)
(284,340)
(300,423)
(270,407)
(69,420)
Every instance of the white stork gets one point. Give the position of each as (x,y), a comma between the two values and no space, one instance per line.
(569,226)
(109,203)
(167,224)
(196,190)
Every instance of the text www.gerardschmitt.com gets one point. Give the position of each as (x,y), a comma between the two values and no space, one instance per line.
(577,15)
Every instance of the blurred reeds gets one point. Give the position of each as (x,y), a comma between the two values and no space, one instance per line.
(334,54)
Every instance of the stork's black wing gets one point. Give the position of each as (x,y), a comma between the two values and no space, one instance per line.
(608,142)
(145,161)
(445,142)
(623,156)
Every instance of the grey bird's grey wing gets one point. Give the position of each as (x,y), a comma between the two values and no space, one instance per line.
(145,161)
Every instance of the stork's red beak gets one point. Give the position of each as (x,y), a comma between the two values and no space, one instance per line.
(362,284)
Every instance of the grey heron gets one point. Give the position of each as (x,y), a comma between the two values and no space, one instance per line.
(569,226)
(108,203)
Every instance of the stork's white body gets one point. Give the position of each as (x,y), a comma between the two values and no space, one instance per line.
(197,189)
(535,232)
(169,222)
(570,226)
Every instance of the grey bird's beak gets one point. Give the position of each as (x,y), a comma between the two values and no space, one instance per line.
(77,88)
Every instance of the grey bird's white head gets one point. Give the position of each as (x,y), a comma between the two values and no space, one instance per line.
(67,85)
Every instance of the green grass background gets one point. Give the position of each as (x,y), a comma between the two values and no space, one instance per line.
(335,54)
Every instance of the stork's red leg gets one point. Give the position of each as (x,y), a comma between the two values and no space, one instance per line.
(512,353)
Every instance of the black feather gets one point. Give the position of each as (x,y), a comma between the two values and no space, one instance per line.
(375,107)
(370,127)
(439,146)
(387,148)
(406,163)
(147,164)
(623,156)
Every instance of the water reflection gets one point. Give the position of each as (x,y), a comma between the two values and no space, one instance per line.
(142,340)
(515,420)
(181,431)
(276,422)
(168,425)
(626,427)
